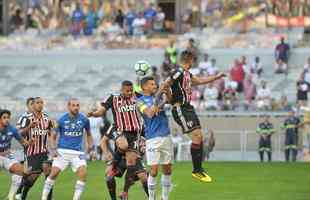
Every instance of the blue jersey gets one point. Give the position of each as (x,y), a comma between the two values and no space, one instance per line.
(130,17)
(6,136)
(157,126)
(71,131)
(77,16)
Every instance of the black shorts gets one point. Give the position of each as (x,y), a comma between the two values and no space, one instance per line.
(186,117)
(133,140)
(35,162)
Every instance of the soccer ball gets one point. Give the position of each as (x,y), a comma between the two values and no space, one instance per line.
(142,68)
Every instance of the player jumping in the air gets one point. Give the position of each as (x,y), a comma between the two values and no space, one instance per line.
(116,164)
(180,83)
(36,127)
(128,126)
(159,148)
(70,132)
(7,161)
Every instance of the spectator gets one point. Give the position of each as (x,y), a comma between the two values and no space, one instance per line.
(138,25)
(119,19)
(91,21)
(149,15)
(281,67)
(256,67)
(191,46)
(282,51)
(77,20)
(16,20)
(306,72)
(244,64)
(284,105)
(302,92)
(159,20)
(129,18)
(210,95)
(31,22)
(171,51)
(307,65)
(263,97)
(155,74)
(237,75)
(249,91)
(229,98)
(167,67)
(205,64)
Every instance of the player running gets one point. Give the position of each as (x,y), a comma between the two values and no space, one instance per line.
(36,127)
(116,164)
(159,148)
(70,132)
(180,83)
(7,161)
(128,126)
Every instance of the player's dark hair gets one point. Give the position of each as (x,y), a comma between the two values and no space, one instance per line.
(4,111)
(30,99)
(146,79)
(127,83)
(186,55)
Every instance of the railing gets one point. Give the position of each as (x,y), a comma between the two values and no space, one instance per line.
(242,149)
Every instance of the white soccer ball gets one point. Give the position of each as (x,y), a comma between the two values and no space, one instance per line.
(142,68)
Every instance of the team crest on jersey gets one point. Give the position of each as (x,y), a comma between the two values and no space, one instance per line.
(189,123)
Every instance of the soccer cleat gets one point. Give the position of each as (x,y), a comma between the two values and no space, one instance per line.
(123,196)
(202,176)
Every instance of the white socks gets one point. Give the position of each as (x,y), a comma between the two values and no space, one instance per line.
(79,188)
(165,186)
(48,185)
(16,181)
(151,182)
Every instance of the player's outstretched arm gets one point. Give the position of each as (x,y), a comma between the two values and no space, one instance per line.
(201,81)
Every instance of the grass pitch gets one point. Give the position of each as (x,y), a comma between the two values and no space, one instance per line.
(232,181)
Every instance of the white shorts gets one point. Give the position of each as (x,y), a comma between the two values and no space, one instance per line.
(66,157)
(159,151)
(6,162)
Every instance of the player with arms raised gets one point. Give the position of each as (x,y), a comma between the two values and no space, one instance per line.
(159,148)
(180,83)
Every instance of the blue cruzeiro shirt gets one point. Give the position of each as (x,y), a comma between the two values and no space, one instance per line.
(71,131)
(157,126)
(6,136)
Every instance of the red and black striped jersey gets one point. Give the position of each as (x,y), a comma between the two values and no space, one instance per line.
(181,87)
(39,134)
(125,113)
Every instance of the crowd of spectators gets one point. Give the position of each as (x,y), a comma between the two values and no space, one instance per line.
(246,87)
(89,17)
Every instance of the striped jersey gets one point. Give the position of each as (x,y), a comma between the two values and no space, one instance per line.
(181,87)
(125,113)
(38,134)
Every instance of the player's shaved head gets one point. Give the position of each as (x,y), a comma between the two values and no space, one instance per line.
(38,104)
(73,106)
(149,85)
(127,89)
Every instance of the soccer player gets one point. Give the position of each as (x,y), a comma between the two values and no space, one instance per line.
(116,165)
(291,125)
(21,122)
(36,128)
(265,129)
(128,126)
(159,147)
(70,131)
(180,83)
(7,161)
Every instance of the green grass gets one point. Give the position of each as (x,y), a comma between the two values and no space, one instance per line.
(232,181)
